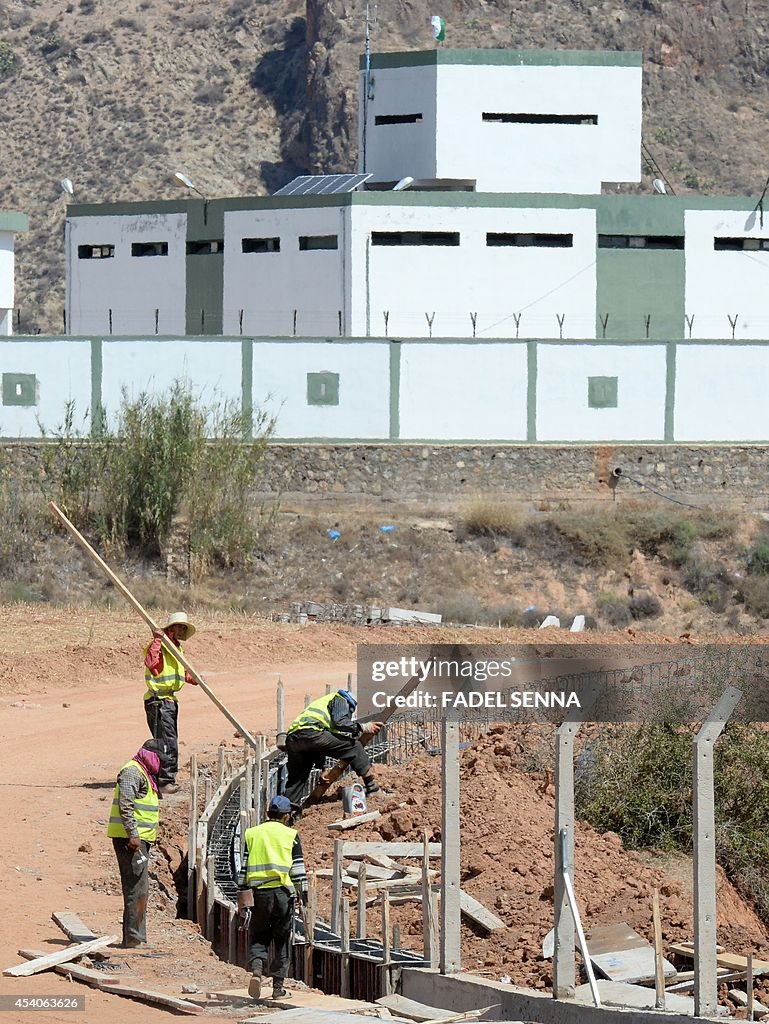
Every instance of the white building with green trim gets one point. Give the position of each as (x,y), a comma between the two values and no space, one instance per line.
(512,227)
(11,224)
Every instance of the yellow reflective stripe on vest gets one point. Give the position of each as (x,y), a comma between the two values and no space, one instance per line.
(270,855)
(146,811)
(169,682)
(316,716)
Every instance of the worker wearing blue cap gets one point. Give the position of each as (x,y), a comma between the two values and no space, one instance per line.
(271,879)
(326,729)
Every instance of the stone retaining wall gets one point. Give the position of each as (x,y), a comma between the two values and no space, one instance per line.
(729,476)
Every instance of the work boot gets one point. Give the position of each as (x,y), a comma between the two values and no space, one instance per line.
(279,991)
(371,786)
(169,788)
(255,983)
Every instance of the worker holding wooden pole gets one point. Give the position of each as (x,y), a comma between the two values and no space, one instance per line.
(165,675)
(168,647)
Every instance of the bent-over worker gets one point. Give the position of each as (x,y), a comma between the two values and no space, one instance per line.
(272,878)
(165,676)
(326,729)
(133,828)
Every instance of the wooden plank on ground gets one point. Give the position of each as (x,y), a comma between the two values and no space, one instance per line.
(43,961)
(359,819)
(412,1009)
(381,860)
(730,961)
(97,980)
(476,911)
(72,926)
(424,1014)
(297,998)
(357,850)
(301,1015)
(620,954)
(372,871)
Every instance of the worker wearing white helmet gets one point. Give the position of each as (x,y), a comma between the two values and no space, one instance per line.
(165,676)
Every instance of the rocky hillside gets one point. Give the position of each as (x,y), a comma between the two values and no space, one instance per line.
(243,94)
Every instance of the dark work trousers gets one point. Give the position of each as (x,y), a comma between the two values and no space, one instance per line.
(305,749)
(162,716)
(271,923)
(136,887)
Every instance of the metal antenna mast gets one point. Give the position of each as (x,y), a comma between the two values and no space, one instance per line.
(366,83)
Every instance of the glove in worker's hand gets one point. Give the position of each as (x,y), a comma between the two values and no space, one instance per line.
(370,728)
(245,919)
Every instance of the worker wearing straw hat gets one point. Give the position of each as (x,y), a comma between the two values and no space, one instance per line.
(165,676)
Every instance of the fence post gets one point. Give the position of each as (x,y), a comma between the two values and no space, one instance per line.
(564,968)
(450,887)
(705,983)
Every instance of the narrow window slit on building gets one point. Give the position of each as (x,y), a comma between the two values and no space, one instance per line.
(741,244)
(307,243)
(415,238)
(640,241)
(501,118)
(381,119)
(95,252)
(260,244)
(206,248)
(546,241)
(149,248)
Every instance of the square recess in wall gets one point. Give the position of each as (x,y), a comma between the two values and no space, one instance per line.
(602,392)
(20,389)
(323,388)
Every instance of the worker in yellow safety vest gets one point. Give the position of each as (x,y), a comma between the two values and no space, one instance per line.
(269,882)
(326,729)
(133,828)
(165,676)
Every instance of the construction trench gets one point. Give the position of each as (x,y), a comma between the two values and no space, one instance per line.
(364,958)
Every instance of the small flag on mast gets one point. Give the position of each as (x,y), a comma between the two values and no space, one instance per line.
(439,27)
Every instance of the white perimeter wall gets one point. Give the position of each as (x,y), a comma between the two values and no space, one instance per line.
(447,390)
(462,391)
(269,286)
(62,368)
(213,369)
(395,150)
(720,283)
(563,412)
(133,287)
(494,281)
(721,392)
(280,387)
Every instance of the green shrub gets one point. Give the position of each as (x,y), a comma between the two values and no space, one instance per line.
(494,519)
(9,62)
(758,558)
(753,591)
(645,606)
(613,608)
(156,465)
(637,782)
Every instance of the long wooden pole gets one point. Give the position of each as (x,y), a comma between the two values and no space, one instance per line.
(171,648)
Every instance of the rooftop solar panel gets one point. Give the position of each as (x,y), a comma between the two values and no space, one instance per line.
(322,184)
